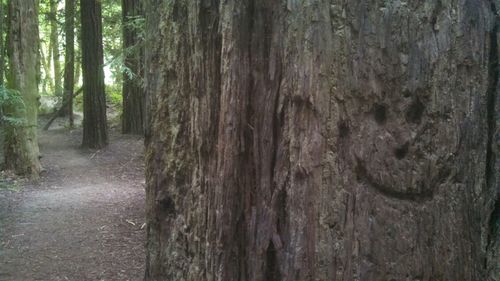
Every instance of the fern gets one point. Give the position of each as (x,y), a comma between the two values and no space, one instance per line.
(12,99)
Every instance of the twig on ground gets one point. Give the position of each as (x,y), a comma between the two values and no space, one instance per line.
(93,155)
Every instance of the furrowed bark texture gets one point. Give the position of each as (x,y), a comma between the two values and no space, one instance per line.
(95,132)
(322,140)
(21,142)
(493,154)
(133,92)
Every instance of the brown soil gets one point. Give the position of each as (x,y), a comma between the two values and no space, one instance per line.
(84,220)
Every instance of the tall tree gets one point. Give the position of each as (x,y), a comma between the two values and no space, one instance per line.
(133,92)
(2,52)
(95,131)
(69,61)
(21,141)
(78,49)
(321,140)
(47,84)
(54,42)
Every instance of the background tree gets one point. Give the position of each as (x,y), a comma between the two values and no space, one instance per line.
(46,84)
(45,20)
(133,92)
(69,62)
(2,49)
(319,140)
(95,133)
(21,142)
(2,54)
(78,47)
(54,43)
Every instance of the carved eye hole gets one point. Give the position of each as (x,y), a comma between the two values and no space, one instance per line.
(167,205)
(343,128)
(402,151)
(380,113)
(415,112)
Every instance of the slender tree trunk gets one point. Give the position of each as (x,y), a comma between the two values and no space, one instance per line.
(78,63)
(2,51)
(133,92)
(46,70)
(69,62)
(78,49)
(95,132)
(45,59)
(21,142)
(321,140)
(48,63)
(38,54)
(54,42)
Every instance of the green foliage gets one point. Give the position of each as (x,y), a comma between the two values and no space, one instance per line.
(10,181)
(114,54)
(114,100)
(137,25)
(112,37)
(45,18)
(8,185)
(112,41)
(12,99)
(78,103)
(114,95)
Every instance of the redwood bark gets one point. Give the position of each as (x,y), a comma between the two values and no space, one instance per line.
(322,140)
(95,129)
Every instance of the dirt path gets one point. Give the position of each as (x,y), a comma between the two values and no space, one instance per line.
(83,220)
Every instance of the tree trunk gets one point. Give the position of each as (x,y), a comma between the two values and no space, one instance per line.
(322,140)
(2,52)
(54,42)
(133,92)
(78,62)
(46,81)
(95,131)
(48,64)
(78,53)
(21,141)
(69,61)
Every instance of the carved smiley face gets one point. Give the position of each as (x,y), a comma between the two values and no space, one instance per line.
(399,153)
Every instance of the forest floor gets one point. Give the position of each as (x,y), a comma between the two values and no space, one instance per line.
(84,220)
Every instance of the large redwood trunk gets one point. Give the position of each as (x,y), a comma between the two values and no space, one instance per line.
(316,140)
